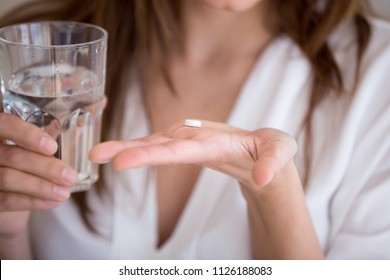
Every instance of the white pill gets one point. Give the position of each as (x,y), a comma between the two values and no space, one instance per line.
(193,123)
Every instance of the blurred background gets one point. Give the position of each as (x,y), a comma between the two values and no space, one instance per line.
(381,7)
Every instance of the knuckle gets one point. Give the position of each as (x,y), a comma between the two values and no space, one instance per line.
(14,155)
(6,177)
(5,201)
(53,168)
(43,188)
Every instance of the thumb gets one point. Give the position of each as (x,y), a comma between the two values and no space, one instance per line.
(265,169)
(272,161)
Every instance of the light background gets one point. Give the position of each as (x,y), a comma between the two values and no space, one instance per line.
(382,7)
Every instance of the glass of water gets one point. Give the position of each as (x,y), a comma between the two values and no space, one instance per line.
(53,75)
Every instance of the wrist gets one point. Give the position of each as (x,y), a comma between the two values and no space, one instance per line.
(281,226)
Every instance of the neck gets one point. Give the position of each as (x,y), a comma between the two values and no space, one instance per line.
(210,31)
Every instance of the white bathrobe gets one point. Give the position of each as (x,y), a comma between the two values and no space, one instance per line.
(348,194)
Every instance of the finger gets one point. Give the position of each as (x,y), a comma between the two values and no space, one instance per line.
(47,167)
(171,152)
(18,202)
(105,152)
(23,183)
(178,144)
(17,130)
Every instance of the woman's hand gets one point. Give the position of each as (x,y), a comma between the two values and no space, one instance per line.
(30,177)
(253,158)
(262,160)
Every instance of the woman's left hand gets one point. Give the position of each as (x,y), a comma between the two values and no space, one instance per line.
(261,160)
(253,158)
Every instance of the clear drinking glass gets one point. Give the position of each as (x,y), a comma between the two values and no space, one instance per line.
(53,75)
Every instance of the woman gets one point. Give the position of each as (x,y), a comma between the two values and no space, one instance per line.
(279,100)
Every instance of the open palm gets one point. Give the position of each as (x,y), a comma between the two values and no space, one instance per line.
(253,158)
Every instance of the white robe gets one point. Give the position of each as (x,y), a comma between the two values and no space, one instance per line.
(347,195)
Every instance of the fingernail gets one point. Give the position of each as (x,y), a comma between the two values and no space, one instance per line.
(61,192)
(69,175)
(48,144)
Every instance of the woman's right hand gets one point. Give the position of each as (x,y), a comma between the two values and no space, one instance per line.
(30,177)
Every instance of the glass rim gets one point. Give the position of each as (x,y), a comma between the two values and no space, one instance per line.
(104,34)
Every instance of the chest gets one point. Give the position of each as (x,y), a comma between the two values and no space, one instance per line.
(197,93)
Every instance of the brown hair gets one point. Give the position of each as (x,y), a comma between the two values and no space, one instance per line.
(140,29)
